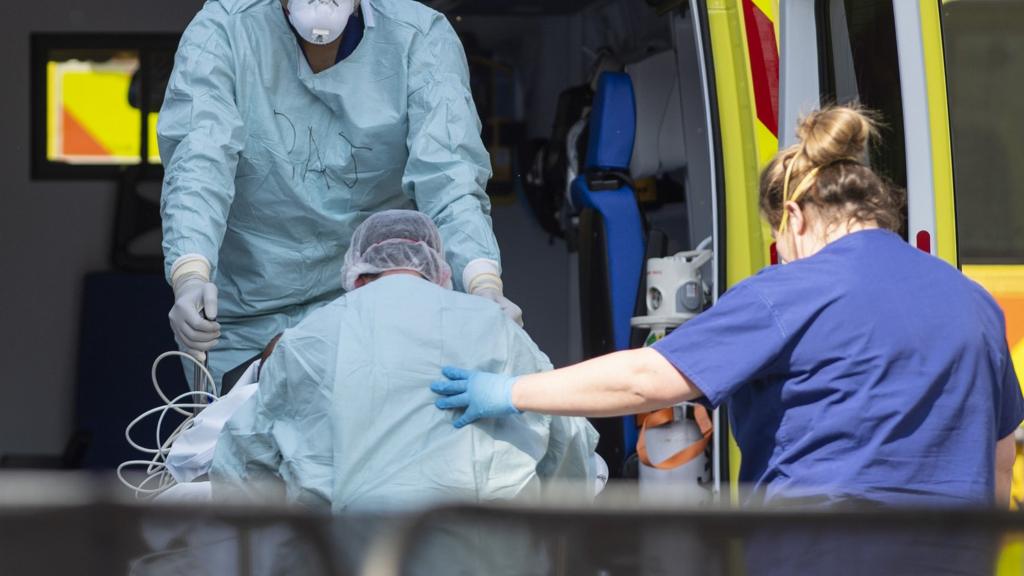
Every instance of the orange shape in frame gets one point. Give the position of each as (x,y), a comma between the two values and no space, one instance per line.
(1013,308)
(77,141)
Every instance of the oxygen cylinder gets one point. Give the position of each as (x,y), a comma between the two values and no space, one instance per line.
(673,441)
(685,482)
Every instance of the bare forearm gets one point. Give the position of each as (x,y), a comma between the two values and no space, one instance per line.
(617,384)
(1004,484)
(1006,452)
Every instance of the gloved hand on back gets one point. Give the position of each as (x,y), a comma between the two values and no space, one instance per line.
(482,277)
(195,306)
(481,394)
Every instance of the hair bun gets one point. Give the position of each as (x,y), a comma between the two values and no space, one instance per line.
(835,133)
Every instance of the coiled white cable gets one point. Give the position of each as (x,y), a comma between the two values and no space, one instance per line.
(158,478)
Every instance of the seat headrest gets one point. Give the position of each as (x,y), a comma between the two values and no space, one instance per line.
(612,123)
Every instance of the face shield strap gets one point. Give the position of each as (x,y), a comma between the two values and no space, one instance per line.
(785,189)
(805,184)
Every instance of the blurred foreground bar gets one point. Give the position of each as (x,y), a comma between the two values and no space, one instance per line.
(66,524)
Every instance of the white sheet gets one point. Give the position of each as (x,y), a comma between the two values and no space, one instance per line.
(192,453)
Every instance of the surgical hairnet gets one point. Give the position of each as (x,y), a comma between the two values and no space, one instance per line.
(396,240)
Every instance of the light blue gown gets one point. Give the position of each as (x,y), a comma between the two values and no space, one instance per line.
(345,417)
(270,167)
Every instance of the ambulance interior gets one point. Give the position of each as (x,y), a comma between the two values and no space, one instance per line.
(605,118)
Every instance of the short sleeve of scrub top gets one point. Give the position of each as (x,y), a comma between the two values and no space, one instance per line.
(1011,405)
(728,345)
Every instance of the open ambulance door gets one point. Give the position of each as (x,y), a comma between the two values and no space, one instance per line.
(945,77)
(741,58)
(983,55)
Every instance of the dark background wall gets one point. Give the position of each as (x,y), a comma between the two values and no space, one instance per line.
(51,233)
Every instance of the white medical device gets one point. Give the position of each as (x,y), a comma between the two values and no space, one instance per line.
(676,291)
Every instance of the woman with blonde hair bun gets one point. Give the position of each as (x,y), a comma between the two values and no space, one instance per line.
(825,174)
(863,370)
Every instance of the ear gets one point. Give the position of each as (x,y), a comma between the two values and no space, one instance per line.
(362,281)
(797,218)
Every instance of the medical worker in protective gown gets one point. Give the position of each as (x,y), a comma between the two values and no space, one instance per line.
(343,417)
(285,124)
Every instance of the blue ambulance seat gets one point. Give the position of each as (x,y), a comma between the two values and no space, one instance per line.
(605,188)
(601,188)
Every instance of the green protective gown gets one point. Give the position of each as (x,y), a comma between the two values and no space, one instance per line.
(270,167)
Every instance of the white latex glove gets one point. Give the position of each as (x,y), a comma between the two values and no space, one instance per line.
(507,306)
(482,277)
(195,307)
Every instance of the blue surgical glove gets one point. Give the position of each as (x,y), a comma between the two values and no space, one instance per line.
(482,394)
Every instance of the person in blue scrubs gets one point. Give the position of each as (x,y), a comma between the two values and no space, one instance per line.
(285,124)
(861,370)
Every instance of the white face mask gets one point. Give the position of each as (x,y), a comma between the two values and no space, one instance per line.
(320,21)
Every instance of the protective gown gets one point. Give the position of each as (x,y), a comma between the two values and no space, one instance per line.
(269,167)
(345,415)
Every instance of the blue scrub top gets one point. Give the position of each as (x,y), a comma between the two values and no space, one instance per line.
(869,371)
(351,37)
